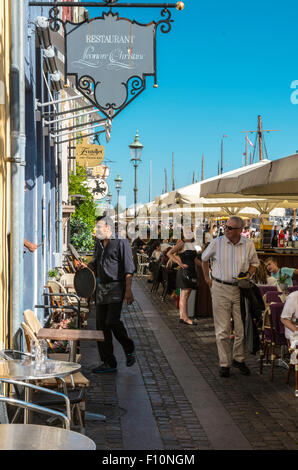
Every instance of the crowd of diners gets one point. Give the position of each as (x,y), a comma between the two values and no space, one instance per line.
(182,258)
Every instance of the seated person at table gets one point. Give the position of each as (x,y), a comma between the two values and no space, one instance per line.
(154,258)
(289,316)
(262,277)
(275,271)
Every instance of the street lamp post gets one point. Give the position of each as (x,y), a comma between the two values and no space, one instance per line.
(136,149)
(118,183)
(109,198)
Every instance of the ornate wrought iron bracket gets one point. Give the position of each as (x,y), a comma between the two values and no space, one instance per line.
(88,80)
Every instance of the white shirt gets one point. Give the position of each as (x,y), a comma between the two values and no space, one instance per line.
(228,260)
(290,311)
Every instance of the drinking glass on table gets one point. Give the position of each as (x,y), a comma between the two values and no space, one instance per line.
(40,351)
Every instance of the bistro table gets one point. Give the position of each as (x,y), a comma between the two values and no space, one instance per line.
(27,369)
(73,336)
(70,335)
(38,437)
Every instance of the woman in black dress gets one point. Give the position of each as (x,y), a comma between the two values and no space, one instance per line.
(185,255)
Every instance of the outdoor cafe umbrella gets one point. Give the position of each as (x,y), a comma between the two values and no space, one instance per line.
(272,179)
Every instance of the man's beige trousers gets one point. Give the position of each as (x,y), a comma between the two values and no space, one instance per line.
(226,303)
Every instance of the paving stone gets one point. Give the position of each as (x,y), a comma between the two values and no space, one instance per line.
(272,428)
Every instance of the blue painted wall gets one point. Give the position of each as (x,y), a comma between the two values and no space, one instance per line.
(40,197)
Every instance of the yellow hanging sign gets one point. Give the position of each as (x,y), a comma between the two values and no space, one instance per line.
(89,155)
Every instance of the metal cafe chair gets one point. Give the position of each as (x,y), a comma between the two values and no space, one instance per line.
(74,393)
(73,385)
(4,418)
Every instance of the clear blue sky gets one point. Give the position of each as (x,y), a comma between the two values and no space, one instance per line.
(222,64)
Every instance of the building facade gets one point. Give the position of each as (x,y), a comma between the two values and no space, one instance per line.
(5,42)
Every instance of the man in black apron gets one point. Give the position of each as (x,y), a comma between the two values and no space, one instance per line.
(113,265)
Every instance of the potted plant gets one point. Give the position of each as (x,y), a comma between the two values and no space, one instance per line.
(53,273)
(282,278)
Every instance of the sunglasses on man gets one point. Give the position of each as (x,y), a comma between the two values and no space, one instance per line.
(228,227)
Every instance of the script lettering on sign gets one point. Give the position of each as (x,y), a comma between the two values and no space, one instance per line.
(89,155)
(110,58)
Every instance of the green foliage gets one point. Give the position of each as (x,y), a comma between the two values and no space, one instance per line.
(81,237)
(282,278)
(53,273)
(83,220)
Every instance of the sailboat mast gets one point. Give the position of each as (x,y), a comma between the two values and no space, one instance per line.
(260,134)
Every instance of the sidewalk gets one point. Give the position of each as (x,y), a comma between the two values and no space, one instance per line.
(173,398)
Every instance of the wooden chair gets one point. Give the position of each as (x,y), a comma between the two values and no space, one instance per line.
(31,327)
(272,334)
(55,287)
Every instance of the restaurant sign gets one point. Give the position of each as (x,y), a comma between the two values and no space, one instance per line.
(89,155)
(102,171)
(110,58)
(99,188)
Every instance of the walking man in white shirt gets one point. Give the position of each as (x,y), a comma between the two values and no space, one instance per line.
(229,256)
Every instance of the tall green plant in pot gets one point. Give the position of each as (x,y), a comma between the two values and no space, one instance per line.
(83,220)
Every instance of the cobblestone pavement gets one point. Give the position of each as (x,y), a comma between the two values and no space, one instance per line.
(264,413)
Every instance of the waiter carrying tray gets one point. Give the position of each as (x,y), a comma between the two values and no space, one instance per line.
(231,256)
(113,266)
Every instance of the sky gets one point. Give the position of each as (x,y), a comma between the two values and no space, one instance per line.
(221,65)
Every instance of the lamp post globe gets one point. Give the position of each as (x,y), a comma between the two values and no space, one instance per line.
(136,149)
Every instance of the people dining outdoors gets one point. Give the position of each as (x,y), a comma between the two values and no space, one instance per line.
(154,258)
(262,276)
(185,255)
(283,275)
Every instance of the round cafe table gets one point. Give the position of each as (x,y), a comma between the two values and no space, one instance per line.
(37,437)
(26,369)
